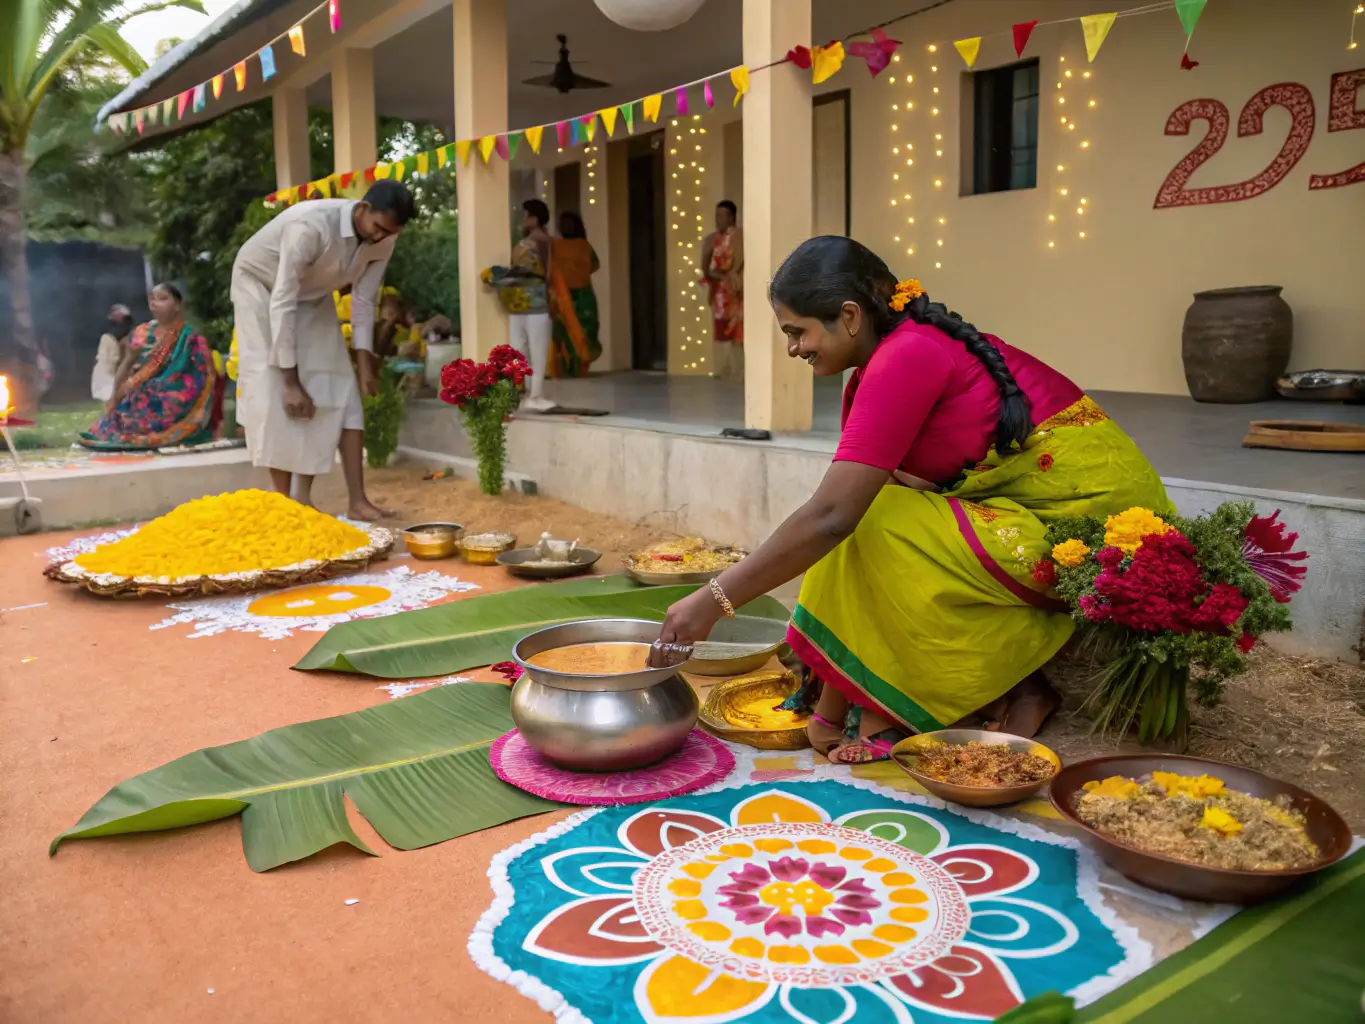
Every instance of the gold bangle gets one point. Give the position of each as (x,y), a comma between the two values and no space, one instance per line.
(721,599)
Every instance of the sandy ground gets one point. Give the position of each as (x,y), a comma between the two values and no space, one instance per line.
(175,927)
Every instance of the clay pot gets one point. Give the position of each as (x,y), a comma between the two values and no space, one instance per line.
(1236,343)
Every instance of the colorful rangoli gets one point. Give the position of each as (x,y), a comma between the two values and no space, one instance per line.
(819,902)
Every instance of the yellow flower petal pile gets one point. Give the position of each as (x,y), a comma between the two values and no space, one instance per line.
(1196,787)
(243,531)
(1220,821)
(1070,553)
(1116,787)
(1126,530)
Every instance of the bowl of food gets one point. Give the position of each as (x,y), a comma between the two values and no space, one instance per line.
(745,710)
(532,563)
(1200,829)
(975,767)
(688,560)
(738,645)
(431,541)
(484,548)
(588,700)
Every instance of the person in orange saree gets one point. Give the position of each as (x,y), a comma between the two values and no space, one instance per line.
(573,303)
(164,387)
(722,269)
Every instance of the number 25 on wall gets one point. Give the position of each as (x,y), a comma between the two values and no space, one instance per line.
(1342,116)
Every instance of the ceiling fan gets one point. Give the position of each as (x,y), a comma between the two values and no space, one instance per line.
(563,77)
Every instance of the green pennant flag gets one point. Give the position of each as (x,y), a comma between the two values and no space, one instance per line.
(1189,12)
(628,115)
(513,144)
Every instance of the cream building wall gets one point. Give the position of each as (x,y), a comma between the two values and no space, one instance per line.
(1107,308)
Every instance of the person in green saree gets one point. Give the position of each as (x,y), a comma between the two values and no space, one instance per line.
(164,386)
(573,303)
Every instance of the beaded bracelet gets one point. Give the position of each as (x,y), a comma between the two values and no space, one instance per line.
(722,600)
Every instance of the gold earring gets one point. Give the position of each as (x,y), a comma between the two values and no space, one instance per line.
(852,333)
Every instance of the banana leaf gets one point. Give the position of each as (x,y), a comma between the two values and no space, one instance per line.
(482,630)
(416,768)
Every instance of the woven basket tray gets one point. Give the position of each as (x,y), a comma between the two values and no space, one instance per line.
(381,543)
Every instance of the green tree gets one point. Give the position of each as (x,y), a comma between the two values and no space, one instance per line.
(38,38)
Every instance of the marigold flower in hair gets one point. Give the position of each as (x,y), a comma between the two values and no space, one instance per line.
(906,292)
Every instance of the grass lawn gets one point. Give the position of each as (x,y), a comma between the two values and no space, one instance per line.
(58,425)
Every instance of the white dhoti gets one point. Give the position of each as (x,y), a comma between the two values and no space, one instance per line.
(276,440)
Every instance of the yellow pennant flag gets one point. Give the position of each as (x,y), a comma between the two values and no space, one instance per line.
(462,148)
(739,78)
(382,171)
(608,116)
(1096,27)
(324,185)
(825,61)
(442,156)
(217,86)
(486,145)
(239,73)
(533,137)
(652,105)
(423,163)
(400,170)
(969,48)
(296,41)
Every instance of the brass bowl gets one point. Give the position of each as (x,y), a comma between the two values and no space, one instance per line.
(487,547)
(1184,878)
(637,567)
(430,541)
(720,717)
(903,755)
(742,629)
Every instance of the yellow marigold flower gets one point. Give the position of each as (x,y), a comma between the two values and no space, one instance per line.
(1070,553)
(1116,787)
(1196,787)
(243,531)
(907,291)
(1126,530)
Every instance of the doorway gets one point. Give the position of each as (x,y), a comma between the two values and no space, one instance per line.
(648,308)
(568,188)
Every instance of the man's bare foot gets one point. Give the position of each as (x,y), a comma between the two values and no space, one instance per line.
(369,512)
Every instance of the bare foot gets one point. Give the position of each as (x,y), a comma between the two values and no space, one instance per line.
(876,737)
(1030,704)
(368,512)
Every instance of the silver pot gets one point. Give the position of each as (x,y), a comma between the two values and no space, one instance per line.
(601,723)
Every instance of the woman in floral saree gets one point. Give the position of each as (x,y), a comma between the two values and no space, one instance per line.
(165,386)
(573,303)
(926,598)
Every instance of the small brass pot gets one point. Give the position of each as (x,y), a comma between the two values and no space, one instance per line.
(431,541)
(488,547)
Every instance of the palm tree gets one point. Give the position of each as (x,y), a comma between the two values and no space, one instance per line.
(38,38)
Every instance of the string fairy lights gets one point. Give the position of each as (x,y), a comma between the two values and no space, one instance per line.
(688,153)
(1073,143)
(926,171)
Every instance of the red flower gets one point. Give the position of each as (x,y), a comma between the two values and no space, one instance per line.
(1045,573)
(1220,610)
(509,670)
(1045,462)
(1110,558)
(1245,643)
(465,381)
(1267,548)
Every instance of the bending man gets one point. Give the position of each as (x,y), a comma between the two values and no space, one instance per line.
(297,393)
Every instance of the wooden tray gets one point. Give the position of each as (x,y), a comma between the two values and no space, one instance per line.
(1305,436)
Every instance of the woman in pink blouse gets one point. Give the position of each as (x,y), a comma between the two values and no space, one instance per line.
(920,607)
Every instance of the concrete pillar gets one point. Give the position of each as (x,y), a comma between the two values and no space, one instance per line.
(353,122)
(614,303)
(484,197)
(289,118)
(778,206)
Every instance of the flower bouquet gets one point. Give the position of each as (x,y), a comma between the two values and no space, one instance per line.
(1164,602)
(486,394)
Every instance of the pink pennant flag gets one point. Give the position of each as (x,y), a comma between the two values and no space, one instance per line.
(182,101)
(877,53)
(680,103)
(334,14)
(708,95)
(500,146)
(562,130)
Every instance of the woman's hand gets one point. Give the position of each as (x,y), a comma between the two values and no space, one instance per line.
(691,620)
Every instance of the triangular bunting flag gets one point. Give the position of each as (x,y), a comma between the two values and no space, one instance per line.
(1021,33)
(334,14)
(442,156)
(347,178)
(825,61)
(382,171)
(200,100)
(562,133)
(325,187)
(140,118)
(239,73)
(181,102)
(877,53)
(296,41)
(969,48)
(217,86)
(680,103)
(652,105)
(400,170)
(1189,12)
(167,109)
(267,56)
(114,122)
(486,146)
(590,127)
(462,148)
(628,115)
(423,163)
(533,137)
(608,116)
(154,114)
(739,78)
(1186,63)
(800,56)
(500,147)
(575,131)
(513,144)
(370,174)
(1096,27)
(707,95)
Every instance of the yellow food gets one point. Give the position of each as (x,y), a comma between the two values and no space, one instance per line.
(1220,821)
(608,659)
(1196,787)
(761,713)
(243,531)
(1115,786)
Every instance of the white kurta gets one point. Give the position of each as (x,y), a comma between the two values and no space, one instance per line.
(106,366)
(282,285)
